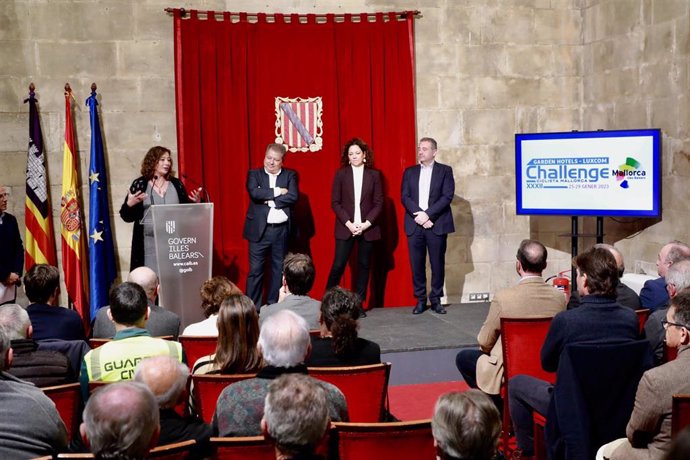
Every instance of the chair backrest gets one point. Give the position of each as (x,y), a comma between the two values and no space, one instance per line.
(67,399)
(365,388)
(196,346)
(522,339)
(680,413)
(207,387)
(642,316)
(176,451)
(385,441)
(243,448)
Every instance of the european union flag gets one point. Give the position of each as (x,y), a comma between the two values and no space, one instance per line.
(101,251)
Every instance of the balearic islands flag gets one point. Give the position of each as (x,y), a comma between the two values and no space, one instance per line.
(71,220)
(40,239)
(101,252)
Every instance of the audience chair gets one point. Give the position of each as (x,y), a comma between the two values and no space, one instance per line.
(176,451)
(385,441)
(642,316)
(67,399)
(521,340)
(196,346)
(365,388)
(315,333)
(206,388)
(243,448)
(680,413)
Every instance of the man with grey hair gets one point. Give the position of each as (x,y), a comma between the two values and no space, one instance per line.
(295,416)
(465,425)
(624,295)
(161,322)
(167,380)
(41,367)
(30,425)
(121,421)
(654,293)
(284,344)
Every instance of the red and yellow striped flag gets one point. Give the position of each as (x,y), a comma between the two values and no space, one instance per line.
(71,220)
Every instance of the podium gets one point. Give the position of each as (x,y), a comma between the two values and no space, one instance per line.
(183,236)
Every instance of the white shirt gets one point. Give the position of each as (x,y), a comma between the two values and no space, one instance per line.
(425,185)
(275,216)
(207,327)
(358,175)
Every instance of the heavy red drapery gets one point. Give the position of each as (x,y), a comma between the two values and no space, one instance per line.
(229,70)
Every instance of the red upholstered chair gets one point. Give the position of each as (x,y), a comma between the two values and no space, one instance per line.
(365,388)
(680,413)
(196,346)
(670,353)
(385,441)
(522,339)
(642,316)
(206,388)
(67,399)
(243,448)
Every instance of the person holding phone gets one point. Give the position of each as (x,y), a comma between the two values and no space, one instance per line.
(156,185)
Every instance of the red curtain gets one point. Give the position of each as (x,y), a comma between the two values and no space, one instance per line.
(229,70)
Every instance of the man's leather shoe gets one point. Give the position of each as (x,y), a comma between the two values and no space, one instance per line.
(362,313)
(438,308)
(419,308)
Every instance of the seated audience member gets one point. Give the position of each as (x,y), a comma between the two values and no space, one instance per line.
(531,297)
(116,360)
(466,425)
(624,294)
(49,321)
(30,425)
(298,279)
(338,344)
(161,322)
(653,294)
(238,335)
(284,345)
(677,280)
(121,421)
(295,417)
(598,318)
(41,367)
(649,429)
(167,379)
(213,291)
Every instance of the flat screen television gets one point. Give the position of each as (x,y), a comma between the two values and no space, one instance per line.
(589,173)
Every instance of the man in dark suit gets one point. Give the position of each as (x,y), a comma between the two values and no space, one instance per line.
(272,192)
(12,254)
(653,294)
(427,191)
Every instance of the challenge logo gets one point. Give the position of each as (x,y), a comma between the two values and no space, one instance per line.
(630,170)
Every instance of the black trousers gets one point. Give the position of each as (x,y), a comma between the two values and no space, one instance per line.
(275,241)
(343,249)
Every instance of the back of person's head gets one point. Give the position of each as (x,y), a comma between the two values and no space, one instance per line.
(532,256)
(677,251)
(678,275)
(128,304)
(41,282)
(295,414)
(238,335)
(284,339)
(15,320)
(165,376)
(121,420)
(339,312)
(5,349)
(602,272)
(213,291)
(620,263)
(147,279)
(299,273)
(681,303)
(466,425)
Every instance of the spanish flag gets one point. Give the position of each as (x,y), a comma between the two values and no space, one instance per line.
(71,220)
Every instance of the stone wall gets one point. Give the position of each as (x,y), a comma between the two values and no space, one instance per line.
(485,70)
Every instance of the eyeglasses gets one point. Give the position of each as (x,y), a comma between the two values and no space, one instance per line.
(666,324)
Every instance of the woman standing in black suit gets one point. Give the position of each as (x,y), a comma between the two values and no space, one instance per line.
(357,201)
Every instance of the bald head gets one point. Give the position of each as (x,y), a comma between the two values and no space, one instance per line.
(671,253)
(532,257)
(166,378)
(616,255)
(147,279)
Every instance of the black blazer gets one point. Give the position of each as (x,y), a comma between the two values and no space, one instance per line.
(343,202)
(258,187)
(441,194)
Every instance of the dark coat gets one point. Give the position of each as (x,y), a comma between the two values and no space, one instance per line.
(441,194)
(258,187)
(343,202)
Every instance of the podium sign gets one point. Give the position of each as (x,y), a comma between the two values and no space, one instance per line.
(184,243)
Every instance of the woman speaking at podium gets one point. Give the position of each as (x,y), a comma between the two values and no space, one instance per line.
(156,185)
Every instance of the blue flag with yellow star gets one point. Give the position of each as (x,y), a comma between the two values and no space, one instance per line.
(101,251)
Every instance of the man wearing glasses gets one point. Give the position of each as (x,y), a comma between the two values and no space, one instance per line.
(11,251)
(649,429)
